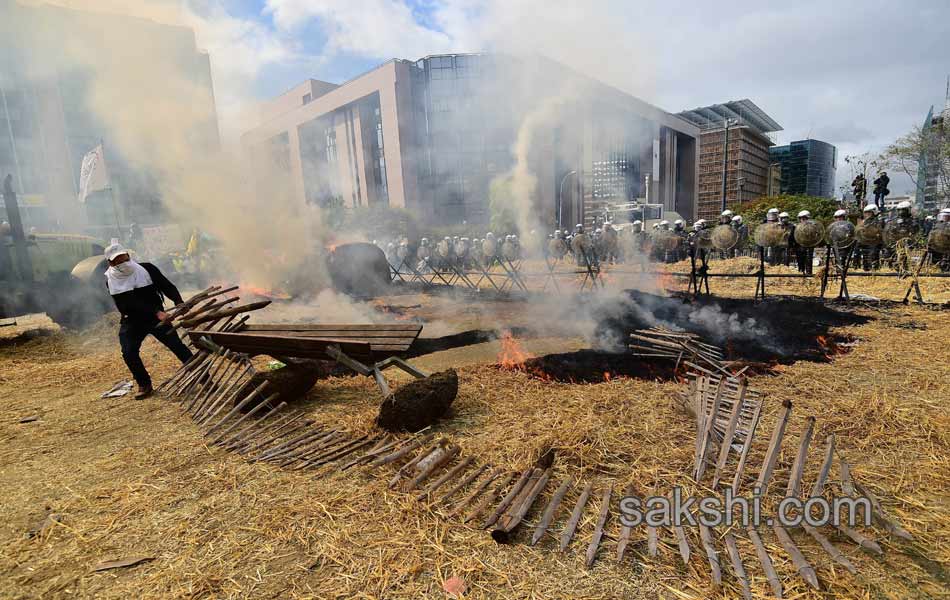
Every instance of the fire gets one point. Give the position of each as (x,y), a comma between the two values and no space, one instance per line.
(606,375)
(263,292)
(829,346)
(512,355)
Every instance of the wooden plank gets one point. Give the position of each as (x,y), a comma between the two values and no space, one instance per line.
(711,555)
(804,569)
(728,436)
(836,554)
(744,455)
(599,528)
(737,567)
(285,345)
(766,561)
(819,486)
(771,456)
(625,530)
(551,509)
(333,326)
(571,526)
(798,467)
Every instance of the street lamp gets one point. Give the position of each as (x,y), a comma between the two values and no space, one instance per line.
(725,154)
(560,196)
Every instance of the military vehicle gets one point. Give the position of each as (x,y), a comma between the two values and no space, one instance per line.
(59,274)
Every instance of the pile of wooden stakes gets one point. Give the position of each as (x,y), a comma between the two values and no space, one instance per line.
(503,500)
(685,348)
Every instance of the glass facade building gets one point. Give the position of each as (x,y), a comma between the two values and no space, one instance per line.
(808,167)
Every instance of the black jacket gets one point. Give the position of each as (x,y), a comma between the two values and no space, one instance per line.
(139,306)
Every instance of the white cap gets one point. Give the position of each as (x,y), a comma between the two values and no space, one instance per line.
(638,222)
(783,215)
(699,222)
(841,213)
(664,222)
(678,222)
(726,213)
(944,211)
(870,208)
(114,250)
(904,204)
(804,213)
(737,218)
(929,218)
(773,210)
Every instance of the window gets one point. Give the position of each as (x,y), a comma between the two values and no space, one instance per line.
(307,98)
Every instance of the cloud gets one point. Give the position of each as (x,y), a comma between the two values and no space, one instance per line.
(369,28)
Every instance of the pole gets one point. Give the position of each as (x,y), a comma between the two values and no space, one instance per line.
(725,154)
(115,205)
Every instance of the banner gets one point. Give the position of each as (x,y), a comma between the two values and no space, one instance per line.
(93,176)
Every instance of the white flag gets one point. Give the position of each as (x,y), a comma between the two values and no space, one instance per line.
(93,175)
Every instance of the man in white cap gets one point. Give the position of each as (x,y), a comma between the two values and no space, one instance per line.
(139,290)
(771,216)
(841,215)
(743,230)
(805,257)
(786,253)
(726,217)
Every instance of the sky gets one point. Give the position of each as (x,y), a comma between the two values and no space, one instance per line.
(854,73)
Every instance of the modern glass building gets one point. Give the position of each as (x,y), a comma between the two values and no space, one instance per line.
(808,167)
(433,135)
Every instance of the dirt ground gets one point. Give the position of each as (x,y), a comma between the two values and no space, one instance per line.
(134,479)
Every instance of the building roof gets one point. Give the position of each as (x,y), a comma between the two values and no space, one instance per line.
(744,111)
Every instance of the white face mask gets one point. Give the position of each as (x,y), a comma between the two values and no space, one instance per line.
(125,268)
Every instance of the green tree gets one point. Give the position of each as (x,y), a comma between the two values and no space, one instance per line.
(821,209)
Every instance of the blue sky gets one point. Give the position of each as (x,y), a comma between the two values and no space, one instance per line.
(854,73)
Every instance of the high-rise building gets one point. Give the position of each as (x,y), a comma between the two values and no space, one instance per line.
(442,135)
(808,167)
(47,123)
(933,177)
(746,167)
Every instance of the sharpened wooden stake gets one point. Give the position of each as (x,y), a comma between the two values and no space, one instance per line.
(255,428)
(490,497)
(475,474)
(247,400)
(383,445)
(448,454)
(766,561)
(551,509)
(798,467)
(625,530)
(885,520)
(771,456)
(259,407)
(744,455)
(819,486)
(396,455)
(599,528)
(682,542)
(836,554)
(804,569)
(737,567)
(729,434)
(509,497)
(571,526)
(520,507)
(295,442)
(342,452)
(860,539)
(707,436)
(461,466)
(711,555)
(284,428)
(475,493)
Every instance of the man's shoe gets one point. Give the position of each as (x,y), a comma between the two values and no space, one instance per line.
(143,393)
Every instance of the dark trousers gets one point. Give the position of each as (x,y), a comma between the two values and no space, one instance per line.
(805,258)
(131,336)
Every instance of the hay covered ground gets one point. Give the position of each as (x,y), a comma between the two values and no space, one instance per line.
(132,478)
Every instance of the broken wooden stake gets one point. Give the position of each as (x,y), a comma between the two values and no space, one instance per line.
(599,528)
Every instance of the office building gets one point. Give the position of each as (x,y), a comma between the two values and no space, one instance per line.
(746,168)
(47,123)
(432,135)
(808,167)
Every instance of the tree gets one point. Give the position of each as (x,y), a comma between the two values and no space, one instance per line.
(821,209)
(930,144)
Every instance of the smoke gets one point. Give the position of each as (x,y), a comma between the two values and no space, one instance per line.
(146,92)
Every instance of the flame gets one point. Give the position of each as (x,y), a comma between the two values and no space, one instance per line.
(512,355)
(264,292)
(829,346)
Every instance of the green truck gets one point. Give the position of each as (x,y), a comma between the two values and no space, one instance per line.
(59,274)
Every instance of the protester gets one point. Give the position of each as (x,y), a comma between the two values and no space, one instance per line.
(139,290)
